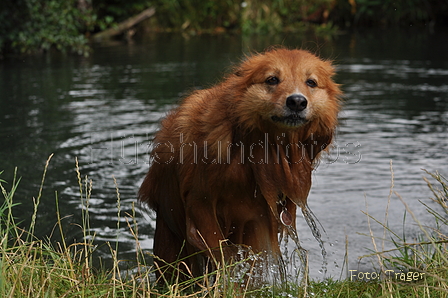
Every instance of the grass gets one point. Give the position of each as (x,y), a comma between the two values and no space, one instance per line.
(31,267)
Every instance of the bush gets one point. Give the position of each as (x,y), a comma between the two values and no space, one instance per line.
(28,26)
(389,12)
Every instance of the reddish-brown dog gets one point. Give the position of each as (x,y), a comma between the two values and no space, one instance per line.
(232,162)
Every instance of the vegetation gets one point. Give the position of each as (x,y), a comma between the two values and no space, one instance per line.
(34,25)
(28,26)
(31,267)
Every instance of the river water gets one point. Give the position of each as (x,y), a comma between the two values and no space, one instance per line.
(104,109)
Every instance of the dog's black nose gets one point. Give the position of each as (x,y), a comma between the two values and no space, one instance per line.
(296,102)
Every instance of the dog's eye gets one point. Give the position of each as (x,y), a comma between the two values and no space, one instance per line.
(272,81)
(311,83)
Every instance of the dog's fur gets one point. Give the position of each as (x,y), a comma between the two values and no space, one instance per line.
(226,155)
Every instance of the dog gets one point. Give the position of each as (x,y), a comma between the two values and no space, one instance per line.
(231,163)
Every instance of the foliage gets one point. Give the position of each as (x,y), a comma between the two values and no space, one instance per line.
(392,11)
(257,16)
(389,12)
(109,12)
(196,14)
(28,26)
(250,16)
(37,25)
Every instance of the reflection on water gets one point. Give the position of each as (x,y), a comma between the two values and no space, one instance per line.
(104,109)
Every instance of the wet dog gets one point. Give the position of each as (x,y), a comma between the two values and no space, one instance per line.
(231,163)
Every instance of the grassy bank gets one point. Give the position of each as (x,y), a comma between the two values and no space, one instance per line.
(31,267)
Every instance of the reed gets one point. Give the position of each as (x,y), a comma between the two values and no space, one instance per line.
(32,267)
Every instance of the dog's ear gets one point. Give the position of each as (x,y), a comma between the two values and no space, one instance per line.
(242,72)
(249,70)
(244,68)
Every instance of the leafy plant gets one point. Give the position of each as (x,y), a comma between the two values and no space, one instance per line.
(37,25)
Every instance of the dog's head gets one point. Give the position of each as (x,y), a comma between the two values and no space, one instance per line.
(288,89)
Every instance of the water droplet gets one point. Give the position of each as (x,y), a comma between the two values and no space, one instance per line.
(316,233)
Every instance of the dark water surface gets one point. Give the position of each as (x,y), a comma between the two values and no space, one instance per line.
(105,108)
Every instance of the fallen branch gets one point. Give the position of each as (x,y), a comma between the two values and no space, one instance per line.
(125,25)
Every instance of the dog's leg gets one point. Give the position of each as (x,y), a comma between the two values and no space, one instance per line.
(168,248)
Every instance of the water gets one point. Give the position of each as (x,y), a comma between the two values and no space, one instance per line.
(317,235)
(297,271)
(104,110)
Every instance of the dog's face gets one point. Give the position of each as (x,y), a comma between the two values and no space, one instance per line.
(289,88)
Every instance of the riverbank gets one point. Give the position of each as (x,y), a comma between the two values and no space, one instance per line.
(32,26)
(32,267)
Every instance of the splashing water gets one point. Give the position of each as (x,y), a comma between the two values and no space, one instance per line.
(257,269)
(316,233)
(303,253)
(264,269)
(302,268)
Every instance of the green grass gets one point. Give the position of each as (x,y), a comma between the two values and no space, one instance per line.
(32,267)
